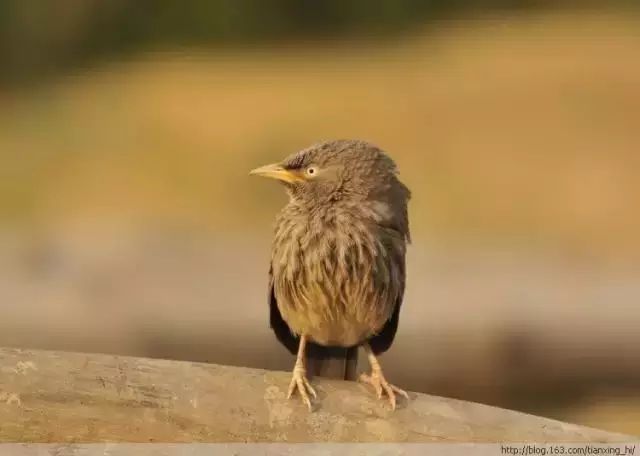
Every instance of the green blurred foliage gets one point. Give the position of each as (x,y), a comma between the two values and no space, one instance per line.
(40,37)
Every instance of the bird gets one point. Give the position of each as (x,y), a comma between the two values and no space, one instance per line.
(337,267)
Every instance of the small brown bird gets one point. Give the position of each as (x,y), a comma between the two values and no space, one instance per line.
(337,273)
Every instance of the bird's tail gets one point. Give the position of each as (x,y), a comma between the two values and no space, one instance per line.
(335,362)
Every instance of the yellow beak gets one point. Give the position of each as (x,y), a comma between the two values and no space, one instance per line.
(276,171)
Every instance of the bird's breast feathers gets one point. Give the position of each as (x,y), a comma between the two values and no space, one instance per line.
(337,275)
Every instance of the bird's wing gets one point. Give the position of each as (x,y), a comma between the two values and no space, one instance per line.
(381,342)
(384,338)
(282,331)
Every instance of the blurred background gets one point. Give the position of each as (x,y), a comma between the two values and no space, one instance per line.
(128,223)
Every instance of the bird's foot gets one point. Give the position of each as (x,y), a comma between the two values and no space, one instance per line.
(299,381)
(380,384)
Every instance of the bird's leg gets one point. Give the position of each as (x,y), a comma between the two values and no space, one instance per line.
(377,380)
(299,378)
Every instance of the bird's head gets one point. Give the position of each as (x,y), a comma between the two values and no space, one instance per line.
(336,170)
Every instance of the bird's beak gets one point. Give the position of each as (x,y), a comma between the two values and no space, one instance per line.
(276,171)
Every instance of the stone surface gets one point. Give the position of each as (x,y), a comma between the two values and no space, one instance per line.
(72,397)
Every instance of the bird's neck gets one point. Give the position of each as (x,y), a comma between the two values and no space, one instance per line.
(327,211)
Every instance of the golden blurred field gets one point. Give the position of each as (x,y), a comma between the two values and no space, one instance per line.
(518,136)
(518,129)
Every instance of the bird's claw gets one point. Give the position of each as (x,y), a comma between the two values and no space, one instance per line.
(299,381)
(380,384)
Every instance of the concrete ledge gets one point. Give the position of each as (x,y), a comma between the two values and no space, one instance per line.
(72,397)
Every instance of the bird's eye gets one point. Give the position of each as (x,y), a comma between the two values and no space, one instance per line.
(311,170)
